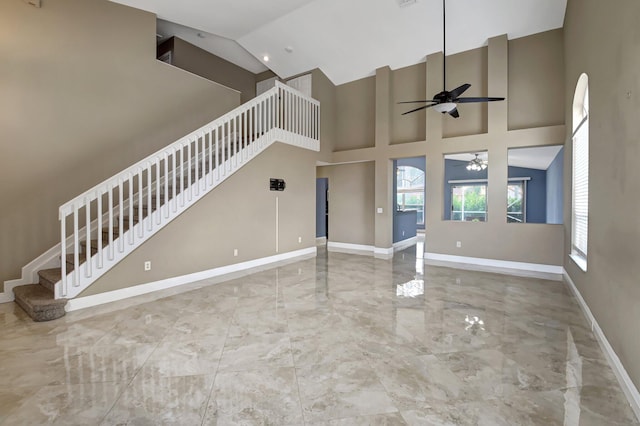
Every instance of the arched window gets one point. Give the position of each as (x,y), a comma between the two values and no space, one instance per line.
(580,169)
(410,195)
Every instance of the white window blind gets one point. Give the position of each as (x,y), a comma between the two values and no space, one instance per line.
(580,202)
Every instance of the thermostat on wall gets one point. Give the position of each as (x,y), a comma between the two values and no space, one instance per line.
(277,184)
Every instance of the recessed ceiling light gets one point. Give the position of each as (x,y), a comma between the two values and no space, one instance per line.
(288,49)
(266,58)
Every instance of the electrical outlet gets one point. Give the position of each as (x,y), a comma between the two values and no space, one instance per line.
(458,244)
(147,265)
(299,239)
(235,252)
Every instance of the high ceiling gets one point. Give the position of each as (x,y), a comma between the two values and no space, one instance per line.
(347,39)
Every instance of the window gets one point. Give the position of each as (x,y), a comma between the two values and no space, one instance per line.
(580,169)
(410,195)
(516,203)
(469,202)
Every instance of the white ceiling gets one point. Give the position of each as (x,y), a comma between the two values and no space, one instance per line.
(539,157)
(349,39)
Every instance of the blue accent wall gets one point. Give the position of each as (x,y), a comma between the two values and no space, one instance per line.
(322,184)
(419,163)
(555,191)
(536,188)
(457,170)
(536,193)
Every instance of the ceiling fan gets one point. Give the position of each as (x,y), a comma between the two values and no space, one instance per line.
(446,101)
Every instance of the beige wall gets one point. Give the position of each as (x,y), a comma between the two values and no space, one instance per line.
(351,202)
(355,119)
(239,214)
(531,61)
(408,84)
(611,60)
(202,63)
(81,101)
(487,70)
(468,67)
(324,91)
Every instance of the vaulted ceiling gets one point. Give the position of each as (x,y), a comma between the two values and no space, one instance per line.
(347,39)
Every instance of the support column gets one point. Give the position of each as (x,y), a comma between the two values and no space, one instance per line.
(383,165)
(498,84)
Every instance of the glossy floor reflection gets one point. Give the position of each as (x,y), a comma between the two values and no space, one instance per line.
(335,340)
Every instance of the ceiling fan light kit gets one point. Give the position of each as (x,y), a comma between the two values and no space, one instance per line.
(446,101)
(477,165)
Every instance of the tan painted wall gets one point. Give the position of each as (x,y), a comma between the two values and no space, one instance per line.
(495,239)
(351,202)
(202,63)
(240,213)
(81,101)
(536,83)
(611,59)
(408,84)
(355,119)
(468,67)
(324,91)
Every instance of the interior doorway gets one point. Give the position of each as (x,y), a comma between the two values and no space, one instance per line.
(322,209)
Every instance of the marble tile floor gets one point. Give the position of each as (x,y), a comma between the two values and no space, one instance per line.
(338,339)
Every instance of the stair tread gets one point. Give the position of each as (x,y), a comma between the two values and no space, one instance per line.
(54,274)
(38,302)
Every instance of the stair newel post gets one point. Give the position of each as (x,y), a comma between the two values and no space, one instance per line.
(166,184)
(120,214)
(76,247)
(63,260)
(131,179)
(98,194)
(110,213)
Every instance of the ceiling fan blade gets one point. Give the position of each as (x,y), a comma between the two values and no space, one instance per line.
(454,113)
(472,100)
(459,90)
(416,102)
(418,109)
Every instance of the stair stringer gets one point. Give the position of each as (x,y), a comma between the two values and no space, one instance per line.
(167,212)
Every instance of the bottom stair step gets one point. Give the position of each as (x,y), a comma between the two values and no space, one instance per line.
(38,302)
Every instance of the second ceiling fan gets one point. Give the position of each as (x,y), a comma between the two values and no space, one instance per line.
(446,101)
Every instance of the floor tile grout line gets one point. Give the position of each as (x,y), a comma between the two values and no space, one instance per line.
(213,382)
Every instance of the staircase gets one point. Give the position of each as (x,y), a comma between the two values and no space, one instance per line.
(105,224)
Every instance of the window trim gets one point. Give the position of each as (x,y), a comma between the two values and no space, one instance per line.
(581,113)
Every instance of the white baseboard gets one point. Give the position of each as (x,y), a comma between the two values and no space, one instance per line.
(537,270)
(379,252)
(627,385)
(125,293)
(349,248)
(401,245)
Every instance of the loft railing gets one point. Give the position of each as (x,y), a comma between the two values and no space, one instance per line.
(103,225)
